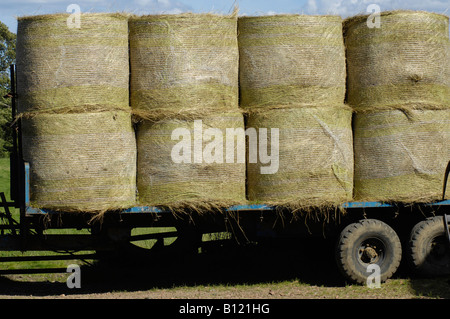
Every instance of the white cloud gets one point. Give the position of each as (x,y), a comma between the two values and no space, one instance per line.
(312,6)
(159,6)
(351,7)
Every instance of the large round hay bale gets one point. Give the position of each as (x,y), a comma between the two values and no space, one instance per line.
(198,181)
(403,64)
(78,69)
(401,156)
(183,62)
(315,158)
(291,60)
(81,162)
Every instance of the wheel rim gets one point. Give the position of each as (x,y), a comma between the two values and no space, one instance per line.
(437,250)
(371,251)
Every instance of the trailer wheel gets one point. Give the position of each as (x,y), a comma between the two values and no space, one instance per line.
(429,250)
(367,242)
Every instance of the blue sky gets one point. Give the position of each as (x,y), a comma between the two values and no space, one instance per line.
(10,9)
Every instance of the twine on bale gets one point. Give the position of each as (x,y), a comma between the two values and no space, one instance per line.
(404,64)
(187,113)
(315,159)
(401,157)
(204,186)
(183,61)
(62,67)
(81,162)
(291,60)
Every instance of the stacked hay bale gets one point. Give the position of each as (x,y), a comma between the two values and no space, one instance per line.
(184,68)
(72,68)
(73,99)
(81,162)
(399,86)
(292,77)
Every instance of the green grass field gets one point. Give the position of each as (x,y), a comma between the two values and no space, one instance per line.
(4,177)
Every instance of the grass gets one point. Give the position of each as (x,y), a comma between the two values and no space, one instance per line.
(5,188)
(4,177)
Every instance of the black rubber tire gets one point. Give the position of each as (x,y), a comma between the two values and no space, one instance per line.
(367,233)
(429,249)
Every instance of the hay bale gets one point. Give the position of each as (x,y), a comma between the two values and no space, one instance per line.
(183,63)
(62,69)
(401,156)
(81,162)
(403,64)
(315,158)
(288,60)
(163,182)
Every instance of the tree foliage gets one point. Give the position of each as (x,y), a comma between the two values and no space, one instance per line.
(7,57)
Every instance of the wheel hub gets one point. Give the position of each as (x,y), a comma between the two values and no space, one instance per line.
(369,253)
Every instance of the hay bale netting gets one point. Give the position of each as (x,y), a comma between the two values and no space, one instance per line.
(401,156)
(199,181)
(72,68)
(183,62)
(81,162)
(315,158)
(405,61)
(291,60)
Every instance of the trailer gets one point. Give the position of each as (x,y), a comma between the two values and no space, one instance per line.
(365,233)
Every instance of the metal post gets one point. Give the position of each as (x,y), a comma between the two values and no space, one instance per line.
(19,173)
(13,156)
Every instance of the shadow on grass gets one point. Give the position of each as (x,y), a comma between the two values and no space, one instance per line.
(309,261)
(438,287)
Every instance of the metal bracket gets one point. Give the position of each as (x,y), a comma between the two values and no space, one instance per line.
(7,214)
(447,172)
(446,219)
